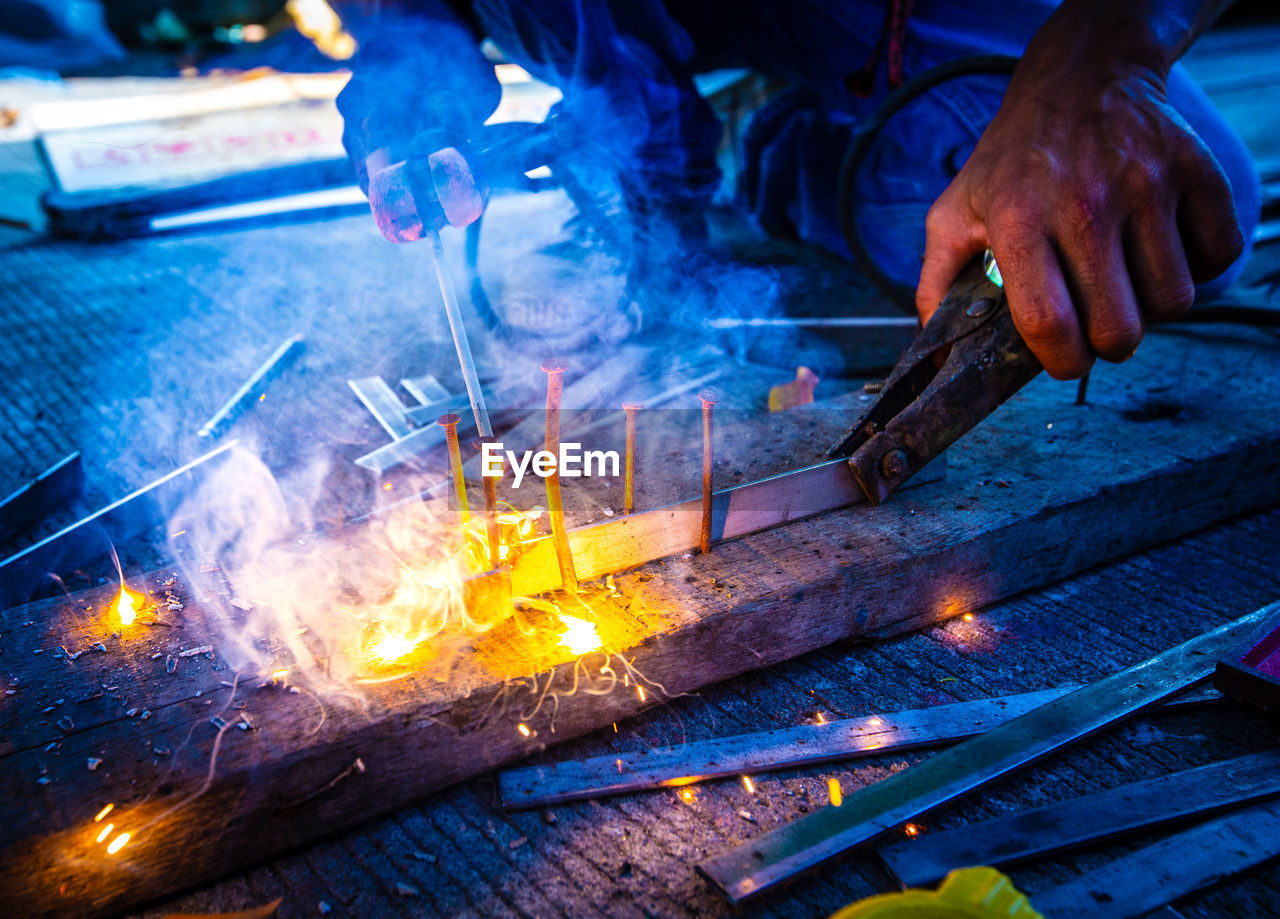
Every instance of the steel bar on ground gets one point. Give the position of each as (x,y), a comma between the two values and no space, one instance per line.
(289,349)
(54,487)
(816,322)
(747,754)
(1171,869)
(87,539)
(1064,825)
(805,843)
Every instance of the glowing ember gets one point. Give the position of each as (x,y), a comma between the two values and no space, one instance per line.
(106,831)
(524,729)
(833,792)
(968,617)
(687,796)
(749,785)
(102,813)
(127,606)
(580,635)
(118,843)
(911,829)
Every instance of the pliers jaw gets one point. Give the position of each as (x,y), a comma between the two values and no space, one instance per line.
(968,360)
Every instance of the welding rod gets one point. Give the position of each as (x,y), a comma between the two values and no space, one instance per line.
(555,368)
(450,424)
(709,399)
(277,362)
(628,496)
(814,322)
(460,342)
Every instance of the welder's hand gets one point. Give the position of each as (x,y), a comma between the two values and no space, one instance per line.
(423,192)
(1100,204)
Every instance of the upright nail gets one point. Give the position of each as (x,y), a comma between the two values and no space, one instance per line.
(709,399)
(1082,391)
(450,424)
(554,369)
(491,513)
(629,502)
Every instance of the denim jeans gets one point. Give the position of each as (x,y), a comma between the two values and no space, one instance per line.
(626,67)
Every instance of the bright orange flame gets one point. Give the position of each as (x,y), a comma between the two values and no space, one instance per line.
(118,843)
(580,636)
(127,605)
(392,648)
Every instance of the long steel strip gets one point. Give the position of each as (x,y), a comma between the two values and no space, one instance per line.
(1176,867)
(624,542)
(805,843)
(1075,822)
(747,754)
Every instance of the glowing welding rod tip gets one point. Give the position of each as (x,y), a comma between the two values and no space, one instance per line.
(833,792)
(102,813)
(118,843)
(106,831)
(524,729)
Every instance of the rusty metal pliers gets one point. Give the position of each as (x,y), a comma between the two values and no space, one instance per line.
(966,362)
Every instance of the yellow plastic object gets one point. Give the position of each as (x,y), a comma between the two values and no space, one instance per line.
(969,893)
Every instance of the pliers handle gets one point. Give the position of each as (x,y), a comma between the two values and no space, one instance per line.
(966,362)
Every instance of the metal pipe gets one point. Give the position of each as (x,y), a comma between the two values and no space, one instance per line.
(709,399)
(450,424)
(554,369)
(629,503)
(266,372)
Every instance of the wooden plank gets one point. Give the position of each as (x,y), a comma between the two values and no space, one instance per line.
(1156,456)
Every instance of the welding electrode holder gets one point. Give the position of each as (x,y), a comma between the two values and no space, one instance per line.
(966,363)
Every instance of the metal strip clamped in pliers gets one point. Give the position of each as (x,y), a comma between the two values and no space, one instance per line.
(968,360)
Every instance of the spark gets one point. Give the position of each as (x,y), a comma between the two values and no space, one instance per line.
(821,719)
(106,831)
(580,636)
(619,762)
(118,843)
(686,795)
(749,785)
(524,729)
(874,722)
(968,617)
(279,676)
(911,830)
(833,791)
(126,607)
(102,813)
(640,691)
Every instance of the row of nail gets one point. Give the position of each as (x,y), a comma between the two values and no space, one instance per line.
(555,370)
